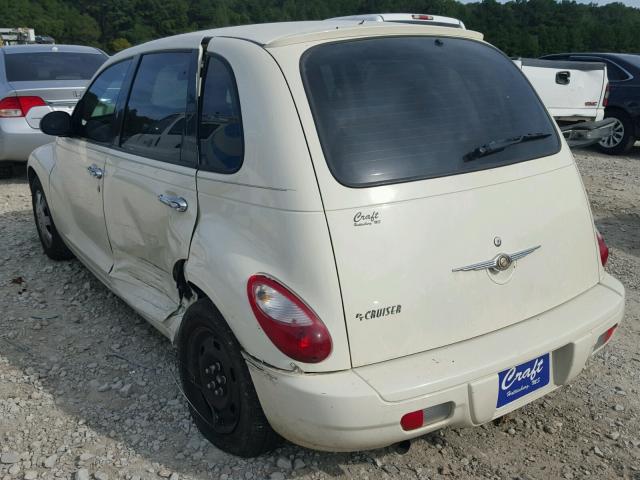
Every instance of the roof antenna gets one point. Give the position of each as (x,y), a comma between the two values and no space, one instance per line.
(362,22)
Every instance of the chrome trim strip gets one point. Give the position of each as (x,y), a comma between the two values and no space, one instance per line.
(493,263)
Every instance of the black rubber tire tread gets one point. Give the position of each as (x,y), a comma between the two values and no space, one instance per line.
(57,250)
(629,133)
(253,435)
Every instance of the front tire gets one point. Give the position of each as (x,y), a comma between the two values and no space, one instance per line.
(622,138)
(52,243)
(215,378)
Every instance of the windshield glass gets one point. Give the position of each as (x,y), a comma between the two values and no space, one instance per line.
(396,109)
(43,66)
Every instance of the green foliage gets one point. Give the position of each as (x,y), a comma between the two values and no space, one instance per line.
(118,44)
(519,27)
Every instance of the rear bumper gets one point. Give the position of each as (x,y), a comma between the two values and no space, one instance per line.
(18,139)
(361,408)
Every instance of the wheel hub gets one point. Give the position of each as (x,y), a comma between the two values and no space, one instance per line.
(215,379)
(43,218)
(617,134)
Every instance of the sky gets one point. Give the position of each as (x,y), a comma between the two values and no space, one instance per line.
(631,3)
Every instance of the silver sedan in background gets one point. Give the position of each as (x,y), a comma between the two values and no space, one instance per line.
(35,80)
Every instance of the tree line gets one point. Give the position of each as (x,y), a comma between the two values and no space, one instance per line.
(527,28)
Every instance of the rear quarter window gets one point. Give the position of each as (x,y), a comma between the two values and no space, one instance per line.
(397,109)
(47,66)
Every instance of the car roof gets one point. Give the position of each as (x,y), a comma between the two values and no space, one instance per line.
(42,48)
(595,54)
(285,33)
(417,18)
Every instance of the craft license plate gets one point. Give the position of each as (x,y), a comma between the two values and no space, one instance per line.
(523,379)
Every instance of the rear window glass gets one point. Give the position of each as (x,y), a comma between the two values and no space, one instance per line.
(396,109)
(43,66)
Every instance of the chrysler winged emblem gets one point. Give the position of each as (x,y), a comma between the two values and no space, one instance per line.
(499,263)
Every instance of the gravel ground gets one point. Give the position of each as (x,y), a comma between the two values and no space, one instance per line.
(88,389)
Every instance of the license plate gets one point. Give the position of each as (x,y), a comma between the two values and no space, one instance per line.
(521,380)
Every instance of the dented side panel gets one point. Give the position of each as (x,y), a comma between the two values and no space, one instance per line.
(147,236)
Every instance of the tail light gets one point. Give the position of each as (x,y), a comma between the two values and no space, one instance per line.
(288,322)
(605,100)
(413,420)
(604,338)
(19,106)
(604,250)
(421,17)
(609,333)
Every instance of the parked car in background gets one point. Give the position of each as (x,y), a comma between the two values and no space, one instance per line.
(623,96)
(353,238)
(35,80)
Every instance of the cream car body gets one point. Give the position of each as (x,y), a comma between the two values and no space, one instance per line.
(437,339)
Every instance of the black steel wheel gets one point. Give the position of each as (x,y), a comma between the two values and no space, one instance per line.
(215,378)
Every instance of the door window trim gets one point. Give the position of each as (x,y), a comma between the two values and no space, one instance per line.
(205,70)
(123,93)
(192,104)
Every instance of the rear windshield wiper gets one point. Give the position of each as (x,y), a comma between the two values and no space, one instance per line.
(495,146)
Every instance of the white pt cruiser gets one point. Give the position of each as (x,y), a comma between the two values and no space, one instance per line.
(355,233)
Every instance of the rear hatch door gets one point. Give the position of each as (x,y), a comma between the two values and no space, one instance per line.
(434,155)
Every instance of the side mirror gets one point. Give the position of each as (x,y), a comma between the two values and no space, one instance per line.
(57,124)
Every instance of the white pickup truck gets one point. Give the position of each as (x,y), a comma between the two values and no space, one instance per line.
(571,91)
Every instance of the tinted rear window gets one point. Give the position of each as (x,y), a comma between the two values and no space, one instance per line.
(43,66)
(397,109)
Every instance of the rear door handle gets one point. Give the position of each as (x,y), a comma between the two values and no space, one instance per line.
(95,171)
(177,203)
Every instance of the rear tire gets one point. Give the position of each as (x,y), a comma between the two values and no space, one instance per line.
(623,137)
(215,378)
(52,243)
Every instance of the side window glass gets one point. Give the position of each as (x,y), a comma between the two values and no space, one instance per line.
(154,123)
(95,113)
(615,73)
(220,129)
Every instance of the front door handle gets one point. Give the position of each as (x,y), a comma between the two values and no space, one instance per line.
(177,203)
(95,171)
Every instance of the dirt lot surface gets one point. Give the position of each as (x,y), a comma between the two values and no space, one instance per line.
(88,389)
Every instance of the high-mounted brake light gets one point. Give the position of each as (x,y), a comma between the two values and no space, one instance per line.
(602,246)
(605,100)
(289,323)
(19,106)
(421,17)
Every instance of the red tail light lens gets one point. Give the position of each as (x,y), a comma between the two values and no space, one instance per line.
(604,250)
(421,17)
(288,322)
(609,333)
(412,420)
(19,106)
(605,100)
